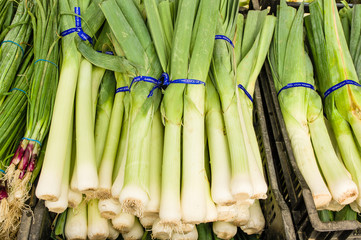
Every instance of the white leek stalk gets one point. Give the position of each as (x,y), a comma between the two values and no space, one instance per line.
(256,222)
(218,149)
(61,204)
(193,235)
(97,226)
(256,171)
(133,198)
(155,168)
(121,156)
(74,198)
(76,222)
(85,154)
(109,208)
(113,233)
(112,141)
(193,194)
(224,230)
(135,233)
(123,222)
(102,116)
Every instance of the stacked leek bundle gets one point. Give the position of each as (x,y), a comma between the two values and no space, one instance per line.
(326,150)
(337,81)
(122,156)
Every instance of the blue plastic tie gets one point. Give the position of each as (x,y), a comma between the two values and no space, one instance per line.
(2,171)
(78,28)
(222,37)
(44,60)
(340,85)
(240,86)
(163,81)
(18,89)
(122,89)
(107,52)
(32,140)
(17,44)
(296,84)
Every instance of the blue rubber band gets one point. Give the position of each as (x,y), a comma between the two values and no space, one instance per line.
(296,84)
(78,28)
(32,140)
(44,60)
(17,44)
(107,52)
(240,86)
(2,171)
(122,89)
(222,37)
(340,85)
(163,81)
(18,89)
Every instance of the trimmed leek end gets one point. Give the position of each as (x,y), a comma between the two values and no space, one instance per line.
(135,233)
(161,231)
(256,222)
(133,199)
(148,220)
(355,207)
(76,226)
(74,198)
(241,187)
(59,206)
(227,213)
(123,222)
(224,230)
(109,208)
(193,235)
(334,206)
(97,226)
(243,215)
(113,233)
(185,228)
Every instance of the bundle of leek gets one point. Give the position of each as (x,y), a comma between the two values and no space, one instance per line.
(137,47)
(234,71)
(335,72)
(49,185)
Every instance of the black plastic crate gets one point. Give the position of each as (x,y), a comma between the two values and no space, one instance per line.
(293,186)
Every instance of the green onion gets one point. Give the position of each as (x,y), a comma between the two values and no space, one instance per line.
(13,46)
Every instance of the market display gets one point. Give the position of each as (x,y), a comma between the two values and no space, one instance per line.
(135,119)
